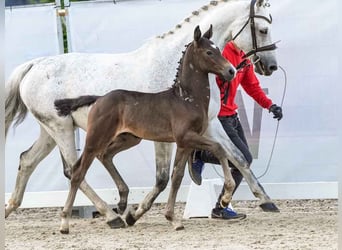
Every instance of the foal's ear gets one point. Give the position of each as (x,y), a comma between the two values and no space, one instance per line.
(197,33)
(209,33)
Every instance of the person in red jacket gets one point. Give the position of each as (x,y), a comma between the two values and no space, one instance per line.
(228,117)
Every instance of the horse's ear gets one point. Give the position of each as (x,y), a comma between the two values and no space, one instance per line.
(209,33)
(259,3)
(197,33)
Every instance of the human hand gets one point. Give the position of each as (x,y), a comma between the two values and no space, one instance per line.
(277,111)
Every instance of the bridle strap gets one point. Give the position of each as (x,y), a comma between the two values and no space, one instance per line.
(272,46)
(254,39)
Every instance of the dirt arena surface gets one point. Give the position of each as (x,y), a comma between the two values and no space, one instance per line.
(301,224)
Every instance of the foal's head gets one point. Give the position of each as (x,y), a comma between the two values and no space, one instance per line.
(206,56)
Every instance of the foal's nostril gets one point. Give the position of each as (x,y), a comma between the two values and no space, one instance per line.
(273,67)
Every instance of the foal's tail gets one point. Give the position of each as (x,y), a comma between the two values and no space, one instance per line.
(66,106)
(15,109)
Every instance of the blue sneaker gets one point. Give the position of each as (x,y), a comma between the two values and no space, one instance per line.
(195,169)
(226,214)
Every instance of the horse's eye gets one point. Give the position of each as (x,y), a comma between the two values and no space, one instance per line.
(209,53)
(264,31)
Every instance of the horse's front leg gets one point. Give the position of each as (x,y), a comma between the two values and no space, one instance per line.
(163,153)
(216,131)
(176,179)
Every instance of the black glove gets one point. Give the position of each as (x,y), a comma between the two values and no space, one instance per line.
(277,111)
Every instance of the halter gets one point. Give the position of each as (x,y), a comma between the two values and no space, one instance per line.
(255,44)
(254,39)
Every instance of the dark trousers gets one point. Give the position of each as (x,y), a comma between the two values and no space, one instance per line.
(233,128)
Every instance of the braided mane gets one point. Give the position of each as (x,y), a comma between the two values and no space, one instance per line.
(194,13)
(176,81)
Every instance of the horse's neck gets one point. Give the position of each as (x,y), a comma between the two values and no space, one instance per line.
(161,50)
(221,16)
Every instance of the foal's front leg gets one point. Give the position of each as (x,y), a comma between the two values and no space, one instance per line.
(176,180)
(196,141)
(163,160)
(216,132)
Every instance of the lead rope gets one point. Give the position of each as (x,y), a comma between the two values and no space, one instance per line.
(277,128)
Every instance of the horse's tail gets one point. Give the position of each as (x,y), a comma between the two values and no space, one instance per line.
(66,106)
(15,109)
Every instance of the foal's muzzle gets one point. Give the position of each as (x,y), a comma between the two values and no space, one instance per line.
(229,73)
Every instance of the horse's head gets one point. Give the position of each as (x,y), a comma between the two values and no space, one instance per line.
(207,56)
(252,34)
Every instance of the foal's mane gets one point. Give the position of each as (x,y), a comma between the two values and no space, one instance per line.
(176,81)
(194,13)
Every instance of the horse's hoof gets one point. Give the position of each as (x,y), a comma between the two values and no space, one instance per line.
(179,227)
(64,231)
(130,219)
(116,223)
(269,207)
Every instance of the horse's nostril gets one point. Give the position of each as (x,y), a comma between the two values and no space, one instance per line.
(273,67)
(232,72)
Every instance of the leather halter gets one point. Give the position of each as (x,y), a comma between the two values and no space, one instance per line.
(254,39)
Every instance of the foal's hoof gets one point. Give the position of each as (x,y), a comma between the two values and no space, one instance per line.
(64,231)
(116,223)
(130,219)
(269,207)
(179,227)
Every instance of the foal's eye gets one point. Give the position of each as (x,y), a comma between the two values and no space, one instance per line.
(264,31)
(209,53)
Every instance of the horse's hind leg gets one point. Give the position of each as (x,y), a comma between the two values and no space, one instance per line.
(163,153)
(28,163)
(122,142)
(66,143)
(176,180)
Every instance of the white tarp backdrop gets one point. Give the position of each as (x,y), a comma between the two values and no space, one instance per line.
(306,149)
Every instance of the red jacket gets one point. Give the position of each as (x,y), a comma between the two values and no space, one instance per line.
(246,77)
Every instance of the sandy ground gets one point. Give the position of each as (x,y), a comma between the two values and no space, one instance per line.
(301,224)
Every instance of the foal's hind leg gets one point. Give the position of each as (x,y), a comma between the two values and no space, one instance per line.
(79,171)
(66,143)
(163,153)
(176,180)
(122,142)
(28,163)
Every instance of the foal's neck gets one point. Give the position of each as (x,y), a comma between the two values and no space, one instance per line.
(192,82)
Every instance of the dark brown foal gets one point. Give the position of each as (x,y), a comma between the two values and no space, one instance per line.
(121,119)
